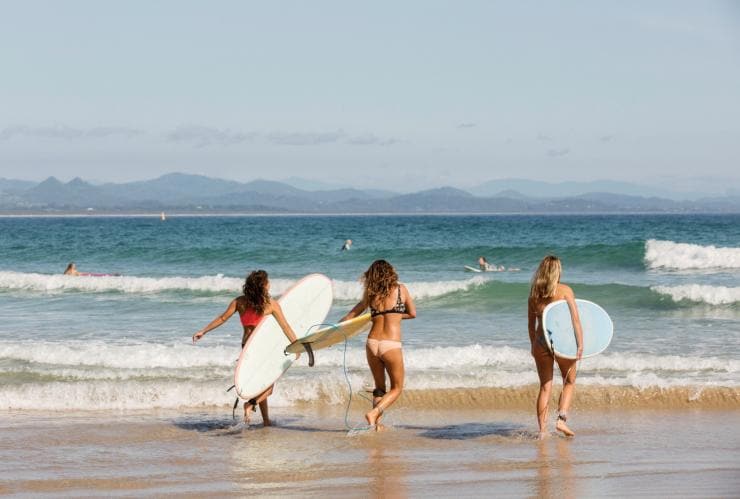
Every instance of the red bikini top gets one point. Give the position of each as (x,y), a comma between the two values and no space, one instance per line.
(250,318)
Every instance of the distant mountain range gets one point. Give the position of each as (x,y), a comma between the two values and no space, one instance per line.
(177,192)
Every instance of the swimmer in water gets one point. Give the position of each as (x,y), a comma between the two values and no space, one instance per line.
(347,245)
(71,269)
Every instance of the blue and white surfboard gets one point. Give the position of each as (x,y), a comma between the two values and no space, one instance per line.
(597,326)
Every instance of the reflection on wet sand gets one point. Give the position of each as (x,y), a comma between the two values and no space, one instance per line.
(555,473)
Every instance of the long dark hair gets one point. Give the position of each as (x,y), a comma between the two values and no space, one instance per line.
(255,291)
(380,279)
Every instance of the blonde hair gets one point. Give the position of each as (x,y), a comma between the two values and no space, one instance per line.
(380,279)
(546,278)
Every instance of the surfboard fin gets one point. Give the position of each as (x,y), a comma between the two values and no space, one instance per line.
(309,351)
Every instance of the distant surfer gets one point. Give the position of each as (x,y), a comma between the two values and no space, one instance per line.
(347,245)
(71,269)
(389,302)
(485,266)
(254,304)
(546,288)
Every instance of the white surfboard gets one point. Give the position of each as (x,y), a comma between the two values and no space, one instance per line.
(330,335)
(596,324)
(468,268)
(263,359)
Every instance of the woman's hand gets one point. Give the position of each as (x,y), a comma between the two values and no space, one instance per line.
(198,335)
(579,353)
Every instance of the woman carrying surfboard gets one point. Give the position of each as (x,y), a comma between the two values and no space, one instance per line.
(254,304)
(546,288)
(389,302)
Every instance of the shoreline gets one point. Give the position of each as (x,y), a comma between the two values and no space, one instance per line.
(441,452)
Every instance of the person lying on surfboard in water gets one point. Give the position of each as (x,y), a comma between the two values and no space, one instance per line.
(546,288)
(389,302)
(72,270)
(253,305)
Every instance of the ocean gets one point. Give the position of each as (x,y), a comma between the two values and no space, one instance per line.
(671,284)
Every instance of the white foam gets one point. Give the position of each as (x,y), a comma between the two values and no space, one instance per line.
(683,256)
(98,375)
(713,295)
(343,290)
(184,357)
(120,356)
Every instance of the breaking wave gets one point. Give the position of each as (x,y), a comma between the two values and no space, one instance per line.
(683,256)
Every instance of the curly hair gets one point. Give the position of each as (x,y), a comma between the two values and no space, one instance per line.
(546,278)
(379,279)
(255,291)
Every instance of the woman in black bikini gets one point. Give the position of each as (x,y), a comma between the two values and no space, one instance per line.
(389,303)
(546,288)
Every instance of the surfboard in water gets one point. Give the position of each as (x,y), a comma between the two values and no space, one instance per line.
(597,326)
(330,335)
(263,359)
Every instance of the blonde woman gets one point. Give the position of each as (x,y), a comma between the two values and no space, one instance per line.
(546,288)
(390,303)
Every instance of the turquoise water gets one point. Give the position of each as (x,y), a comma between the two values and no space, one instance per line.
(670,284)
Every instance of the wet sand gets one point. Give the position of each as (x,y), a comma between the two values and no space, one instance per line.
(685,452)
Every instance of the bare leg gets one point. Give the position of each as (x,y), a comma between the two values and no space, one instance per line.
(260,400)
(378,371)
(568,371)
(543,360)
(393,361)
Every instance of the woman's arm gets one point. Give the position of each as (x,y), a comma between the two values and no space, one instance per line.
(570,298)
(531,323)
(217,321)
(410,305)
(356,310)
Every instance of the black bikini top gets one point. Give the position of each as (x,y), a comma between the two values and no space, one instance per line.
(399,308)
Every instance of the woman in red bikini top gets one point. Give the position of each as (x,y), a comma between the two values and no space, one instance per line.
(389,302)
(253,306)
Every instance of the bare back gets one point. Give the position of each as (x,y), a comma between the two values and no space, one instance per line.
(562,292)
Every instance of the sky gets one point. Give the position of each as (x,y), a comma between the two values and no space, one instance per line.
(396,95)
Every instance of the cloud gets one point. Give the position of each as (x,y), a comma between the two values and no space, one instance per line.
(467,125)
(204,136)
(305,138)
(557,153)
(543,138)
(64,132)
(107,131)
(370,139)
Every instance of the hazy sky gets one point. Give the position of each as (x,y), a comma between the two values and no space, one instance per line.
(402,95)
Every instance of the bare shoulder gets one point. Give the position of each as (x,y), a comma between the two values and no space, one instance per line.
(272,306)
(564,291)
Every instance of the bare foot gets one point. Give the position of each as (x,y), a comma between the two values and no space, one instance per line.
(372,417)
(380,427)
(248,408)
(562,427)
(267,422)
(543,435)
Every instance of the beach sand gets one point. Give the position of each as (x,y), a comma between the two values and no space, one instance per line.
(621,451)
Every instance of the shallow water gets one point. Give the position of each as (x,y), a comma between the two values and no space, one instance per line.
(670,283)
